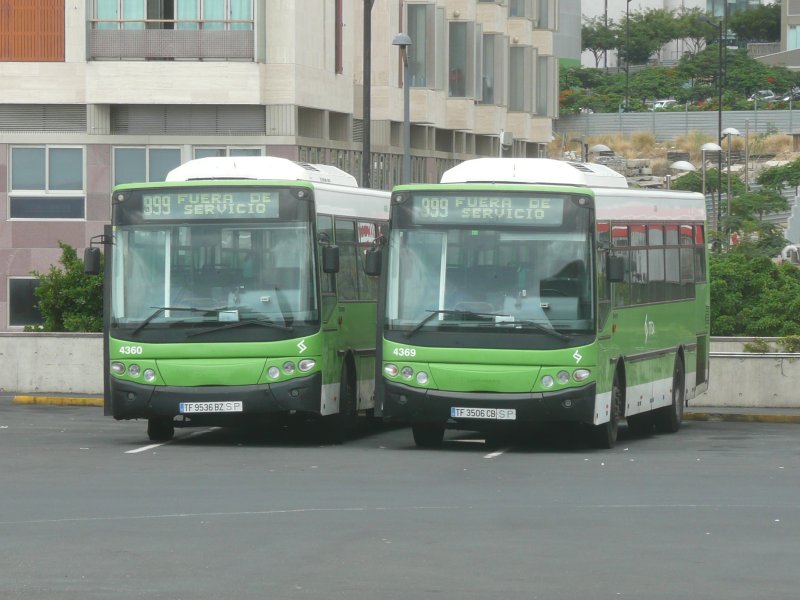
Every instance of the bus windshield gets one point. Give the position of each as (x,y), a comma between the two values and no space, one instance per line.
(201,276)
(491,277)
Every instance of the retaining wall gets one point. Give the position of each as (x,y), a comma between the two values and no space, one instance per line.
(62,363)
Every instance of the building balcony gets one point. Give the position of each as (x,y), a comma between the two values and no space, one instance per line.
(159,39)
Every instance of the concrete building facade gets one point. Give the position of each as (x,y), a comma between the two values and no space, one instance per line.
(101,92)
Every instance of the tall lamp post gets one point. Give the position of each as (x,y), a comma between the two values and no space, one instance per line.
(729,132)
(627,54)
(404,41)
(710,147)
(720,72)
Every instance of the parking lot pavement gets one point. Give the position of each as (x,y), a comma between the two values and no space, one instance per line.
(692,412)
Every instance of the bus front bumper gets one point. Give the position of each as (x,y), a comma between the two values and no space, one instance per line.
(136,401)
(414,405)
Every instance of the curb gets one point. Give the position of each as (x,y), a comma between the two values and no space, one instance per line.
(58,400)
(741,418)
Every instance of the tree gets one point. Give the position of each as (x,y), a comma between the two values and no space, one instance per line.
(643,33)
(757,24)
(752,296)
(598,38)
(70,300)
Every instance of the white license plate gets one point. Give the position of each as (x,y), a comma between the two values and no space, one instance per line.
(500,414)
(211,407)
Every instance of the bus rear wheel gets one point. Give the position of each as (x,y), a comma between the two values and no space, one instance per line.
(341,425)
(605,435)
(160,429)
(428,435)
(668,419)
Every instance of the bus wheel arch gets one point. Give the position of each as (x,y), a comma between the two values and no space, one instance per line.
(669,418)
(605,434)
(339,426)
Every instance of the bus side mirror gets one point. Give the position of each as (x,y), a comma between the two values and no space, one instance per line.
(615,269)
(372,262)
(330,259)
(91,261)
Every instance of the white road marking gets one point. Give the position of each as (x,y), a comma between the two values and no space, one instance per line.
(175,439)
(497,453)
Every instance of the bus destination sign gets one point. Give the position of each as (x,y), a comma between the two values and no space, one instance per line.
(165,205)
(537,211)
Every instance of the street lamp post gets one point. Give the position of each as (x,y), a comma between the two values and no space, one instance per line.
(404,41)
(627,54)
(729,132)
(709,147)
(720,72)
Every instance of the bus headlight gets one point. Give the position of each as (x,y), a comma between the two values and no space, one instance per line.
(422,377)
(563,377)
(274,372)
(407,372)
(117,367)
(390,369)
(149,375)
(134,370)
(548,381)
(581,374)
(288,367)
(306,364)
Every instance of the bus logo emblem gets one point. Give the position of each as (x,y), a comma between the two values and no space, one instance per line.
(302,346)
(577,356)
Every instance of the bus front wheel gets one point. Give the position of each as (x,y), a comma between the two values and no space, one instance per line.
(605,435)
(668,419)
(160,429)
(428,435)
(341,425)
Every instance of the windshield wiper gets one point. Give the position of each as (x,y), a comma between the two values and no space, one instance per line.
(539,327)
(161,309)
(464,313)
(233,325)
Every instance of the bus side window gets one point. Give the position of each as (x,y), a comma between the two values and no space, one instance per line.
(347,277)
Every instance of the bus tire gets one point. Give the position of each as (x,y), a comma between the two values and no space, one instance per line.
(605,435)
(341,425)
(428,435)
(160,429)
(668,419)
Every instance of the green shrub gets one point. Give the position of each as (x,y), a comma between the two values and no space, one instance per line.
(69,300)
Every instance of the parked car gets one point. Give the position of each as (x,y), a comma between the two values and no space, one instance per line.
(792,95)
(763,96)
(663,104)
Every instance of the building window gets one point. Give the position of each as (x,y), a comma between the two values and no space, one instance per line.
(47,182)
(135,164)
(189,14)
(426,28)
(205,151)
(464,70)
(546,84)
(128,14)
(520,8)
(520,79)
(793,37)
(493,68)
(23,304)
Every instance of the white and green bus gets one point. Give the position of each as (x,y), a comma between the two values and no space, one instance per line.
(525,291)
(235,293)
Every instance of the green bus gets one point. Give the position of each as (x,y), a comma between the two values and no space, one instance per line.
(235,294)
(523,291)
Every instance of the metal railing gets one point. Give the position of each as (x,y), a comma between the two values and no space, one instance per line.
(169,39)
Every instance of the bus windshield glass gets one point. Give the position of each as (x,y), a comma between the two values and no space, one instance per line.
(520,263)
(232,277)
